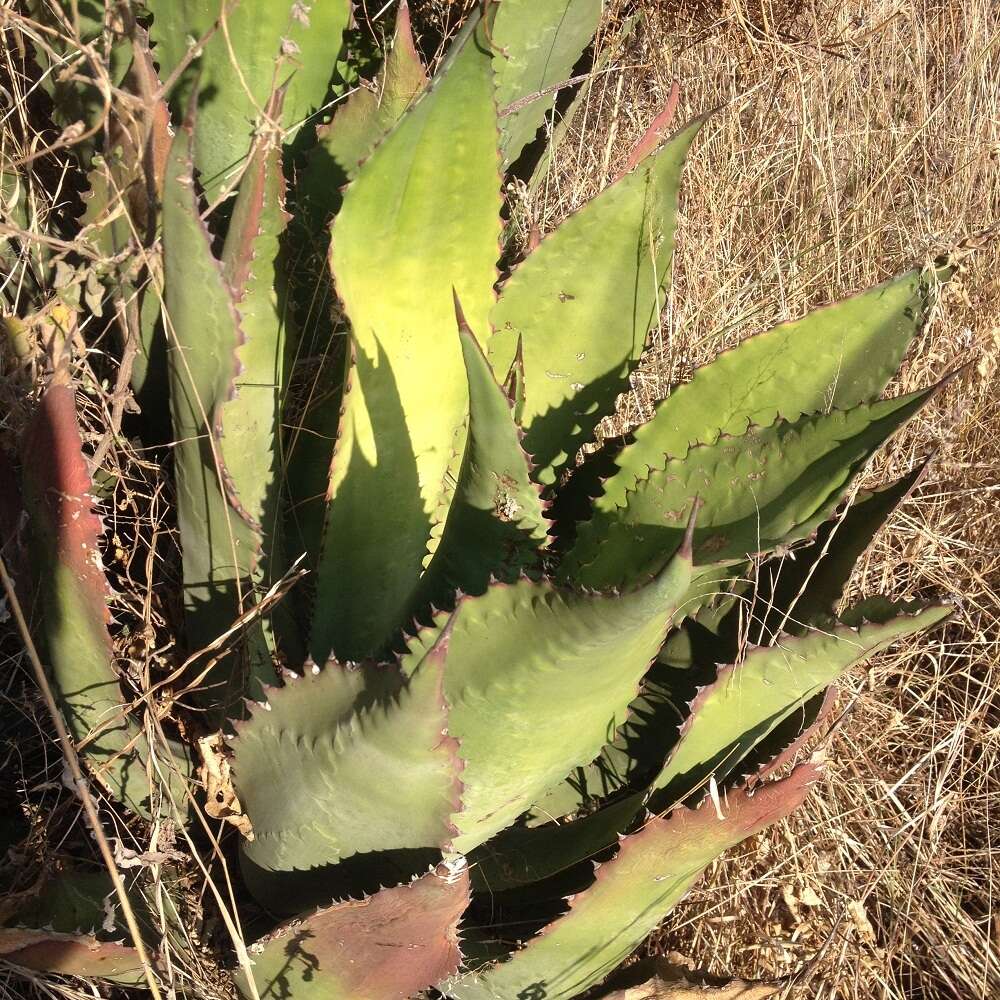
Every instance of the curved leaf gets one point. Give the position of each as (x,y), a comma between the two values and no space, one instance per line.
(305,762)
(583,304)
(833,358)
(538,42)
(220,542)
(536,681)
(420,219)
(495,523)
(768,487)
(82,955)
(261,47)
(749,699)
(630,896)
(66,532)
(388,946)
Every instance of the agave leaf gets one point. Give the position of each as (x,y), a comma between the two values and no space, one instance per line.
(639,748)
(771,486)
(519,650)
(363,119)
(495,522)
(784,743)
(420,219)
(304,766)
(254,265)
(608,49)
(62,930)
(74,590)
(390,945)
(82,955)
(793,593)
(748,700)
(584,317)
(538,42)
(630,896)
(261,47)
(522,855)
(220,540)
(832,358)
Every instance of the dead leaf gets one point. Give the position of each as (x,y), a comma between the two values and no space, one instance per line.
(856,910)
(659,989)
(221,801)
(664,979)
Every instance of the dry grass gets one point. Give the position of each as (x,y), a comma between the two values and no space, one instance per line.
(853,140)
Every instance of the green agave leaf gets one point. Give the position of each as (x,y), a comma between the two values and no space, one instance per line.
(420,220)
(362,121)
(220,541)
(304,766)
(249,422)
(610,48)
(262,46)
(790,737)
(74,591)
(70,902)
(495,523)
(584,316)
(630,896)
(253,267)
(536,682)
(637,751)
(833,358)
(538,42)
(749,699)
(390,945)
(772,485)
(522,855)
(794,593)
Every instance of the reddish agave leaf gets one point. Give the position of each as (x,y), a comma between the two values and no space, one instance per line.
(791,751)
(70,954)
(631,894)
(66,560)
(58,493)
(391,945)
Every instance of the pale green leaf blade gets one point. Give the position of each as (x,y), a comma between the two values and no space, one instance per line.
(537,680)
(749,699)
(794,593)
(305,761)
(364,118)
(219,541)
(833,358)
(420,220)
(496,523)
(538,42)
(630,896)
(770,486)
(521,855)
(262,47)
(584,303)
(254,267)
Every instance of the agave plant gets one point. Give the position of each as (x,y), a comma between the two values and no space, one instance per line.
(458,653)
